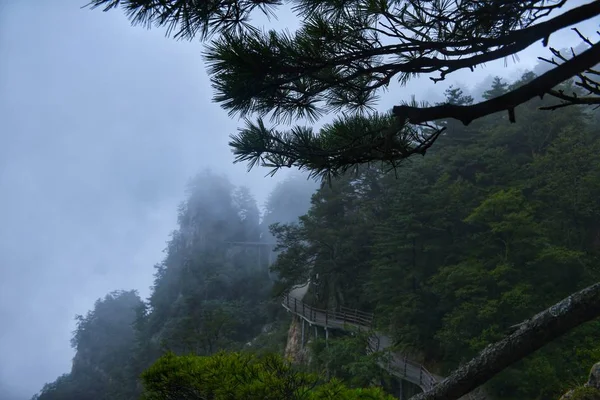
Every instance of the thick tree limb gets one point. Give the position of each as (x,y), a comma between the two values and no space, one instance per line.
(507,102)
(543,328)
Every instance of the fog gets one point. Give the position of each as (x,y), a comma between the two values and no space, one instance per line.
(101,125)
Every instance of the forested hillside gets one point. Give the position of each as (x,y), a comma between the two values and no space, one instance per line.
(211,292)
(495,223)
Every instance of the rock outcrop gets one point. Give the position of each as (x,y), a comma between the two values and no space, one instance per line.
(590,390)
(294,351)
(594,379)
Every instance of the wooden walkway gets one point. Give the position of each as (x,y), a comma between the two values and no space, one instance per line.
(354,320)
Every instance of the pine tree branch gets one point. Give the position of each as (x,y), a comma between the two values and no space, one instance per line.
(505,46)
(507,102)
(340,146)
(585,82)
(569,100)
(286,77)
(186,19)
(532,334)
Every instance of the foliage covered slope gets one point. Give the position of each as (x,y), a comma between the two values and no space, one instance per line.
(210,293)
(495,224)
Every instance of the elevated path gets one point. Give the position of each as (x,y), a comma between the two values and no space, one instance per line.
(359,321)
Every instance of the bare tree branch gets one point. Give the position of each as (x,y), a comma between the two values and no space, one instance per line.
(570,100)
(531,335)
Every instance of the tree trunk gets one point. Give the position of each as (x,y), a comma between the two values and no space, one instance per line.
(532,334)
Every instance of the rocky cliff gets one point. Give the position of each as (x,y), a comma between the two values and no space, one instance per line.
(294,350)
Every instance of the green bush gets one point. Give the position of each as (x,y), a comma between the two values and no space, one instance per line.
(241,376)
(345,358)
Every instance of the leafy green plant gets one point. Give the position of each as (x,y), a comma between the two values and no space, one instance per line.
(240,376)
(345,358)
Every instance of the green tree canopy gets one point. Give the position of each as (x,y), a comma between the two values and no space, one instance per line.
(104,341)
(238,376)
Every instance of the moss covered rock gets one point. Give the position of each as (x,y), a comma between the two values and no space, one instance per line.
(589,391)
(594,379)
(582,393)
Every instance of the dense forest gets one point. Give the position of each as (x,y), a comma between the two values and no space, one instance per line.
(495,223)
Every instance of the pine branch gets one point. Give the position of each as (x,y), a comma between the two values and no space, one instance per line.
(570,100)
(336,61)
(509,101)
(186,19)
(532,335)
(584,82)
(339,147)
(290,75)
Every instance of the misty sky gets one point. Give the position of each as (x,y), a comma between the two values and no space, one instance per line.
(101,124)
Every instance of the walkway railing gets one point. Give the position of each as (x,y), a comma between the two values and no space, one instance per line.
(346,319)
(400,365)
(329,318)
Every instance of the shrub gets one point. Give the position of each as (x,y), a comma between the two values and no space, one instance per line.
(241,376)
